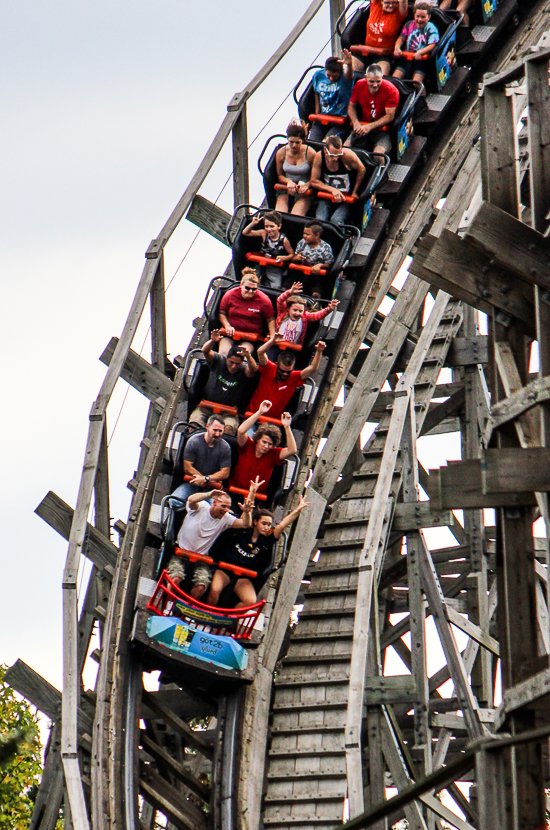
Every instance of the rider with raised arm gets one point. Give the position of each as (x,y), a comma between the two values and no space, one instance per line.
(254,549)
(203,524)
(332,88)
(384,23)
(279,380)
(293,317)
(259,456)
(225,382)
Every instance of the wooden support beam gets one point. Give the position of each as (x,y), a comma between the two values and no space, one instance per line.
(140,374)
(166,798)
(178,770)
(512,244)
(516,405)
(498,164)
(473,631)
(336,9)
(467,351)
(465,272)
(524,693)
(209,217)
(240,159)
(512,468)
(192,737)
(460,485)
(41,694)
(50,793)
(399,773)
(457,669)
(96,546)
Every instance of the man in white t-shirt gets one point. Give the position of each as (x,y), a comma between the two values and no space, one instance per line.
(203,524)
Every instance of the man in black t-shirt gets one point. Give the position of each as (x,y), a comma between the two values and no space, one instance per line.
(254,549)
(225,383)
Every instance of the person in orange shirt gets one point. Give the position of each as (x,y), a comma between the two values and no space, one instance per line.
(384,26)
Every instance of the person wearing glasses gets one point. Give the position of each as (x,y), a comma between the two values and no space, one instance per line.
(384,24)
(245,308)
(279,380)
(338,171)
(372,107)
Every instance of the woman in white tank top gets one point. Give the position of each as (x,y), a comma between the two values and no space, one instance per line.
(294,162)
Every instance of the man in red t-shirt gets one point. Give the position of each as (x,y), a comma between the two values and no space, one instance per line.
(259,456)
(245,308)
(279,381)
(384,26)
(372,105)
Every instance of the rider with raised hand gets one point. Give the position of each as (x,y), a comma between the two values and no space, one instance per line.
(254,549)
(259,456)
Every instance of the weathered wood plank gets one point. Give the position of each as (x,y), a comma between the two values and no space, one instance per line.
(209,217)
(510,469)
(511,243)
(140,374)
(517,404)
(96,546)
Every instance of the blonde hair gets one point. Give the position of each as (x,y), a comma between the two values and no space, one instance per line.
(250,275)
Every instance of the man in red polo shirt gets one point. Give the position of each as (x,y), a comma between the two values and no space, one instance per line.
(279,380)
(373,105)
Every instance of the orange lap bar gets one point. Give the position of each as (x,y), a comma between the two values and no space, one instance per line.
(242,492)
(323,194)
(219,407)
(326,119)
(207,560)
(305,269)
(263,260)
(280,186)
(265,419)
(411,56)
(242,335)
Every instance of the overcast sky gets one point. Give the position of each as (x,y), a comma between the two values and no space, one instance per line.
(108,108)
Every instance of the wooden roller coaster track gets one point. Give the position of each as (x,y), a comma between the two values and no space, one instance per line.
(317,730)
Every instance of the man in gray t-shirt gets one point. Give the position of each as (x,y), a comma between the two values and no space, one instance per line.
(207,459)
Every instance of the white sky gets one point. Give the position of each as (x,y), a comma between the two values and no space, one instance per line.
(108,110)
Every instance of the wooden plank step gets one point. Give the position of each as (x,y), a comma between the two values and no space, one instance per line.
(305,824)
(280,680)
(307,753)
(300,799)
(317,658)
(306,730)
(304,776)
(322,612)
(298,636)
(306,707)
(310,590)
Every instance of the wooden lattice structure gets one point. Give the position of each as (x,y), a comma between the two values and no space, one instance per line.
(315,730)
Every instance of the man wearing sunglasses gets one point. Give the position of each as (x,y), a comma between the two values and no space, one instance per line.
(245,309)
(338,172)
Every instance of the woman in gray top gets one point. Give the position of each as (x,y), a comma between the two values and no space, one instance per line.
(294,162)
